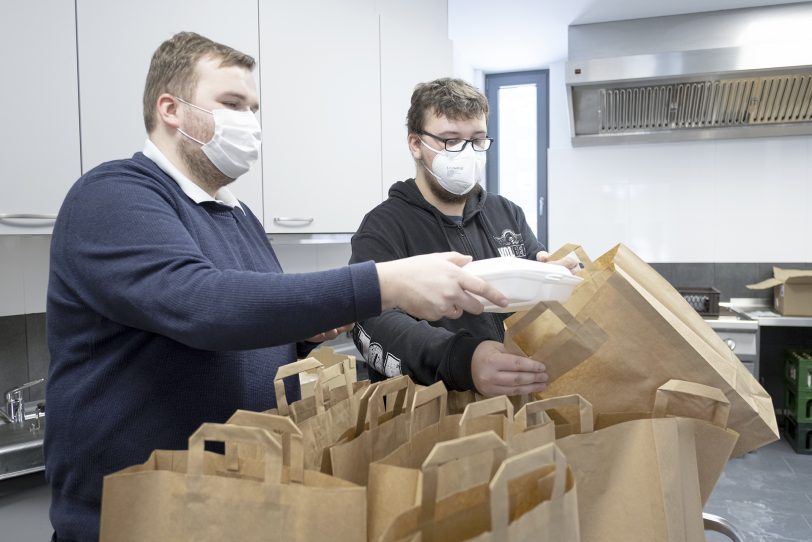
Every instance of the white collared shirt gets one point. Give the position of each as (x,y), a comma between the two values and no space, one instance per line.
(193,191)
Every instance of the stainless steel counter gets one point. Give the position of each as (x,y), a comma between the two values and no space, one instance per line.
(762,312)
(784,321)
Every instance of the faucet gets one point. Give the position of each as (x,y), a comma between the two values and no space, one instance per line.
(15,405)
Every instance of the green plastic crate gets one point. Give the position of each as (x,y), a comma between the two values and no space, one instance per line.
(799,436)
(798,405)
(798,370)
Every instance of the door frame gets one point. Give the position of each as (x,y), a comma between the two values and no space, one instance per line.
(541,78)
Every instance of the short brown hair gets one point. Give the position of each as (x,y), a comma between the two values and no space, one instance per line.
(172,68)
(450,98)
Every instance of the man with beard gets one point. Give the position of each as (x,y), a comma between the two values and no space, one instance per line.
(167,306)
(445,208)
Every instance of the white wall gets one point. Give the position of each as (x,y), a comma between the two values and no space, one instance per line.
(746,200)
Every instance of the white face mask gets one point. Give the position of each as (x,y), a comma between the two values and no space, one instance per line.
(235,145)
(457,172)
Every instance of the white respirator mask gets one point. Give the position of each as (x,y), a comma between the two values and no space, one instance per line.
(457,172)
(237,138)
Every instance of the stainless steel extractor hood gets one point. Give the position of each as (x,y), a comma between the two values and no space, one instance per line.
(722,74)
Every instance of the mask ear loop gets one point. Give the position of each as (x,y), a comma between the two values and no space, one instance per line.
(196,107)
(423,162)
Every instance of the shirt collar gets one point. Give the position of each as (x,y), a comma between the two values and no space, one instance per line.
(224,196)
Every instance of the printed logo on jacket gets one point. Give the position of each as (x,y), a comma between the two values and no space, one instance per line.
(510,244)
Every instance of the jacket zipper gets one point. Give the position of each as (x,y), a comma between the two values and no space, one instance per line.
(495,320)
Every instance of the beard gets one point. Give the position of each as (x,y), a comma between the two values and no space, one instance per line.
(449,197)
(196,160)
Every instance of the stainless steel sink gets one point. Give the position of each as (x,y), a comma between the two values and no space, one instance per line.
(21,447)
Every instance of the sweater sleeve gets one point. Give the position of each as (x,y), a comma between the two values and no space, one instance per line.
(130,257)
(395,343)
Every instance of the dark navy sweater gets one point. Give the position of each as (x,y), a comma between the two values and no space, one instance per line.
(163,314)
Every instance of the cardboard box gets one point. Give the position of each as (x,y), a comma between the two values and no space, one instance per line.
(792,291)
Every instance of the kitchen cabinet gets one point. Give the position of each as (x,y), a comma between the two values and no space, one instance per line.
(337,81)
(334,79)
(414,49)
(40,137)
(321,114)
(116,42)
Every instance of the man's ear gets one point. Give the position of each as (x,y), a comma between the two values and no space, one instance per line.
(167,110)
(415,147)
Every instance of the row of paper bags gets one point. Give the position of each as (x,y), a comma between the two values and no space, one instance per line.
(416,472)
(389,462)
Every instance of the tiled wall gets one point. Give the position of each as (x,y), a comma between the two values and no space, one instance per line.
(729,278)
(24,355)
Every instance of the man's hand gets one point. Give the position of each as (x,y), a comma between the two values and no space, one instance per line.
(329,335)
(496,372)
(433,286)
(569,261)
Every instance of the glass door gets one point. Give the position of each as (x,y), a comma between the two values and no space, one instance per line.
(517,161)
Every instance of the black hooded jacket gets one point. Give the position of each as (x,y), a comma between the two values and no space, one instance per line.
(405,225)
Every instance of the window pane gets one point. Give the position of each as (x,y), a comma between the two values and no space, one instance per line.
(518,145)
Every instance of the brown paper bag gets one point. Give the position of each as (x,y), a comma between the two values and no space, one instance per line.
(458,400)
(304,407)
(531,496)
(653,336)
(382,425)
(637,480)
(705,410)
(553,336)
(326,415)
(393,479)
(200,496)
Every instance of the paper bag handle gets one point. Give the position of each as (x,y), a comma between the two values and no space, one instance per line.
(215,432)
(585,422)
(532,415)
(569,248)
(372,401)
(513,468)
(721,410)
(435,392)
(292,369)
(451,450)
(334,372)
(292,451)
(493,405)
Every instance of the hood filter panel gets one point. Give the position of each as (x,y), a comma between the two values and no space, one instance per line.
(706,104)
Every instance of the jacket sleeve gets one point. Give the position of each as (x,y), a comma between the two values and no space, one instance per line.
(531,243)
(395,343)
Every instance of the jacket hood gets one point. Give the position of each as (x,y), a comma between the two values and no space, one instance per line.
(409,192)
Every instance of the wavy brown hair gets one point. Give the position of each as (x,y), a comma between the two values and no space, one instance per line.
(450,98)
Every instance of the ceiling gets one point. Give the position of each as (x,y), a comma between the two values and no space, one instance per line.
(506,35)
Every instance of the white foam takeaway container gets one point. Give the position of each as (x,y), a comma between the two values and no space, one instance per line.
(524,282)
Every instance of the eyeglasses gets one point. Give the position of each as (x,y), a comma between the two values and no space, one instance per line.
(480,144)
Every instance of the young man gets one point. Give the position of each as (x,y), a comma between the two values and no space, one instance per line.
(167,306)
(445,208)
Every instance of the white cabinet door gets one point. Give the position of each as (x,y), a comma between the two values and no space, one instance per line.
(116,42)
(414,49)
(320,114)
(40,136)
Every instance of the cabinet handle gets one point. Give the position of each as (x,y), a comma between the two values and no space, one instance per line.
(282,219)
(731,344)
(26,216)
